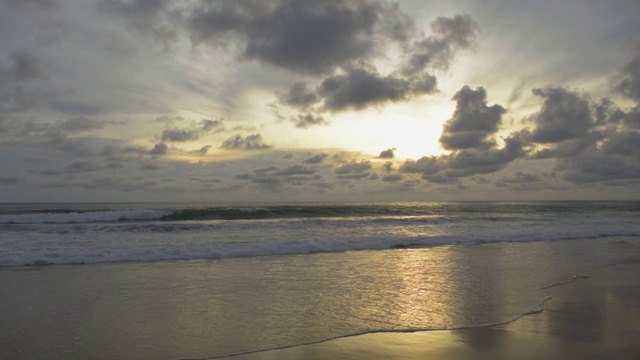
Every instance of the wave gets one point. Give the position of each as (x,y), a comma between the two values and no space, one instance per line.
(487,211)
(126,251)
(63,217)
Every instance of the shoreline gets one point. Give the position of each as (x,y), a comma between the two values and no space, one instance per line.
(489,300)
(520,338)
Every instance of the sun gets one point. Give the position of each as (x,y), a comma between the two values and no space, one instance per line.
(412,135)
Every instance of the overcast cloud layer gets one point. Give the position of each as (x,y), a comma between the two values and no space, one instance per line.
(282,100)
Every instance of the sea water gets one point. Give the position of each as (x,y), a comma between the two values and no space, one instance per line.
(36,234)
(207,280)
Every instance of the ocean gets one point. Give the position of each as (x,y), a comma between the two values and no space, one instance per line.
(207,280)
(48,234)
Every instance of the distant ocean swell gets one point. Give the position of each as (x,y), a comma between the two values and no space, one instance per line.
(446,210)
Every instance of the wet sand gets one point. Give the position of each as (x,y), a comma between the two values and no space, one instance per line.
(590,318)
(202,309)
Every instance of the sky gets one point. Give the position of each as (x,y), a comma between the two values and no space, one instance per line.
(323,100)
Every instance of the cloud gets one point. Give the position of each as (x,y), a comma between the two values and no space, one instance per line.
(299,96)
(340,41)
(353,167)
(203,150)
(23,66)
(354,170)
(46,4)
(472,122)
(315,159)
(627,79)
(306,37)
(438,51)
(145,16)
(192,133)
(356,88)
(446,169)
(11,180)
(149,167)
(593,166)
(565,115)
(519,179)
(392,178)
(361,87)
(294,170)
(81,166)
(158,149)
(180,135)
(307,120)
(76,108)
(387,154)
(251,142)
(59,129)
(215,126)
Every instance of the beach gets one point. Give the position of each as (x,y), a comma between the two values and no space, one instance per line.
(592,318)
(547,299)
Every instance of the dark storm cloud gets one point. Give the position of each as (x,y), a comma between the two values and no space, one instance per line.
(360,88)
(565,115)
(251,142)
(307,120)
(387,154)
(307,37)
(472,122)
